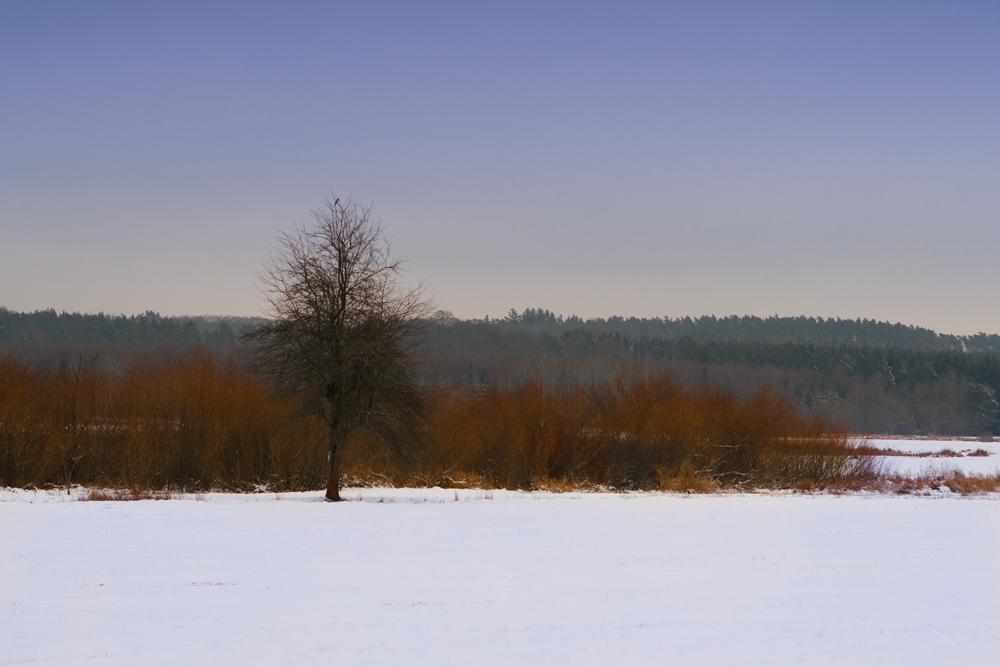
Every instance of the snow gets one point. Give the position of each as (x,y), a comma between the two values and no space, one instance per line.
(417,577)
(913,466)
(918,446)
(928,465)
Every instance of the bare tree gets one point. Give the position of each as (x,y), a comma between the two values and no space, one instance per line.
(342,326)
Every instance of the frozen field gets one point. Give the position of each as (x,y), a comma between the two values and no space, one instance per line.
(917,465)
(500,579)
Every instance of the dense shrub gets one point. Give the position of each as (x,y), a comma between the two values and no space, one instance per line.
(194,423)
(638,431)
(198,423)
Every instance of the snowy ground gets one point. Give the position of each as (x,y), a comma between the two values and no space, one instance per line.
(925,465)
(414,577)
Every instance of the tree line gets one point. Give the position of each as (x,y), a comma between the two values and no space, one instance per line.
(48,326)
(926,388)
(801,330)
(897,389)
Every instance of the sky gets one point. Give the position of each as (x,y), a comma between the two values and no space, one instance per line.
(638,159)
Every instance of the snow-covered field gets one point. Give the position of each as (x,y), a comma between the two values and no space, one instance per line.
(414,577)
(927,465)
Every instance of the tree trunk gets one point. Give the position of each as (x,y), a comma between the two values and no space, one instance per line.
(333,478)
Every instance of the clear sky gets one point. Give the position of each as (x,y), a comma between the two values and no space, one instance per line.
(832,159)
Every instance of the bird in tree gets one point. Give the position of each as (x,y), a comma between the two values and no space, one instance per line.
(341,329)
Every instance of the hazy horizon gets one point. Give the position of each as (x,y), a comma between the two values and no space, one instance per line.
(826,160)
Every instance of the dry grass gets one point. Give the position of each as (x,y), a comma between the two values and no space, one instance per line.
(563,486)
(960,482)
(868,450)
(685,479)
(100,495)
(954,481)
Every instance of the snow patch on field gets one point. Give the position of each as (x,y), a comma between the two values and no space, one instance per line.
(913,466)
(412,576)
